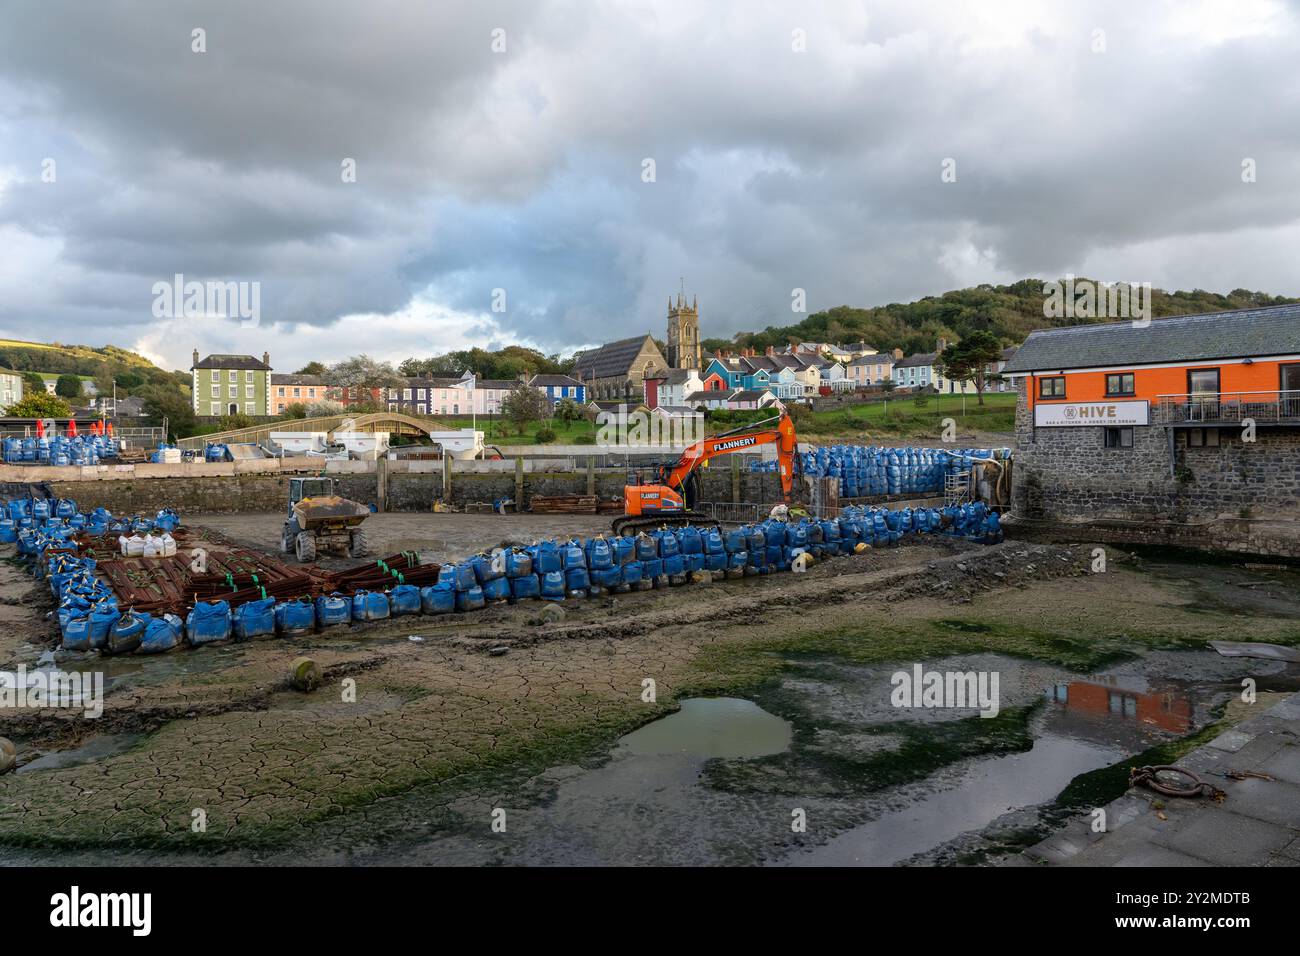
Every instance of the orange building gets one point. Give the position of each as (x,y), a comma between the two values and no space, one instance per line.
(1187,418)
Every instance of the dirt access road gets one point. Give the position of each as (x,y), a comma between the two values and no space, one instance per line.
(410,746)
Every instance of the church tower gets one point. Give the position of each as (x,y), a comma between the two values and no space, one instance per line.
(684,333)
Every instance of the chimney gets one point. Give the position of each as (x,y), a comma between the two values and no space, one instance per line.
(770,351)
(898,354)
(266,359)
(196,358)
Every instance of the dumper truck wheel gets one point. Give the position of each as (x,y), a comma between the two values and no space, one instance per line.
(305,546)
(357,544)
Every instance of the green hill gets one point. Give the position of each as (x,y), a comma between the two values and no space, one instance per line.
(1010,312)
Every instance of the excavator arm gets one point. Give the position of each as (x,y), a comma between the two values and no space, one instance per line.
(740,440)
(671,499)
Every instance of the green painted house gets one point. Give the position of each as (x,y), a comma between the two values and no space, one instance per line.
(231,384)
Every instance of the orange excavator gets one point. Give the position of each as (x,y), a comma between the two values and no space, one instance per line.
(670,499)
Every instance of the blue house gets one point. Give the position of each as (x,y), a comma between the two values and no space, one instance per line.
(557,387)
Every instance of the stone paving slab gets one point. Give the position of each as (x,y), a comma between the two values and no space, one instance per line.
(1257,824)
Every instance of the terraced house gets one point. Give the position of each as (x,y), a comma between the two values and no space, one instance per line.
(230,385)
(1184,429)
(289,390)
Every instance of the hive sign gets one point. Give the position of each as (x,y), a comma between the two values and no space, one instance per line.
(1062,414)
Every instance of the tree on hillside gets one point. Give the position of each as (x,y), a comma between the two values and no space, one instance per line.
(970,359)
(40,405)
(68,386)
(362,371)
(567,410)
(171,405)
(312,368)
(32,383)
(524,405)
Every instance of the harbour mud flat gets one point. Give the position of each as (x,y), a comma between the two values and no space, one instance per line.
(685,725)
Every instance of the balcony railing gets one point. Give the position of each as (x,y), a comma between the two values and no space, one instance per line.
(1228,408)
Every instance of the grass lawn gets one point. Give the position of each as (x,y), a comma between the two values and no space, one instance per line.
(903,418)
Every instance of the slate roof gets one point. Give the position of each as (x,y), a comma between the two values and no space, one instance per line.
(1241,333)
(297,380)
(749,395)
(554,381)
(613,360)
(916,361)
(882,358)
(233,361)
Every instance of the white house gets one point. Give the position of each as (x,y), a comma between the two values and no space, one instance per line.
(677,384)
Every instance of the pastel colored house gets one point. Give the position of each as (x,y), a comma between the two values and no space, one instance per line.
(559,387)
(289,390)
(231,385)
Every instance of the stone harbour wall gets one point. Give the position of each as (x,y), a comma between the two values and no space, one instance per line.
(1239,496)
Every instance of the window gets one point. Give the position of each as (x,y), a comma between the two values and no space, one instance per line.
(248,376)
(216,390)
(406,394)
(234,392)
(234,376)
(280,391)
(297,393)
(1203,438)
(248,391)
(1052,387)
(248,408)
(1118,437)
(216,408)
(1120,384)
(1202,381)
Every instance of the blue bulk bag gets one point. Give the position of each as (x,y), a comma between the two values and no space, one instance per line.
(465,578)
(519,563)
(486,569)
(209,621)
(606,577)
(546,557)
(694,562)
(65,508)
(647,548)
(404,599)
(438,599)
(524,587)
(572,556)
(625,550)
(496,590)
(668,543)
(716,562)
(253,619)
(333,609)
(161,634)
(76,633)
(8,531)
(774,555)
(370,605)
(674,565)
(713,543)
(471,600)
(689,539)
(552,586)
(576,579)
(600,556)
(127,632)
(295,618)
(774,532)
(633,572)
(736,560)
(102,619)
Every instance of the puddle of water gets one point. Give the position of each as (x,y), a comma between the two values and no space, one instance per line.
(96,748)
(708,727)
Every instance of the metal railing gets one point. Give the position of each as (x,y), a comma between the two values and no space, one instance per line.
(1227,408)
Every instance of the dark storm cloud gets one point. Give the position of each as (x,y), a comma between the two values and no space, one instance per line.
(521,169)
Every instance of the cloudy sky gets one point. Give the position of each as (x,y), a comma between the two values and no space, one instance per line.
(503,145)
